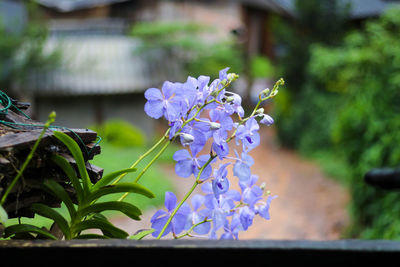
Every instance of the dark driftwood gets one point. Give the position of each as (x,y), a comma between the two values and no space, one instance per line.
(16,142)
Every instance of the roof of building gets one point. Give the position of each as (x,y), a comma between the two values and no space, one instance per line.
(94,64)
(358,8)
(71,5)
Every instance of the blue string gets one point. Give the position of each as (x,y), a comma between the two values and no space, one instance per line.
(7,104)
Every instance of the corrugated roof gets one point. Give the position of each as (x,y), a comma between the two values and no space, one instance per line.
(99,64)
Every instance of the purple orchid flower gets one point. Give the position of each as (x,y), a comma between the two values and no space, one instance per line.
(187,164)
(165,103)
(248,134)
(178,222)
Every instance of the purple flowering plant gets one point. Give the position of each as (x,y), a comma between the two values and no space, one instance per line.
(205,117)
(217,139)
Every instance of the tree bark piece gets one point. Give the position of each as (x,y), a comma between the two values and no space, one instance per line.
(17,137)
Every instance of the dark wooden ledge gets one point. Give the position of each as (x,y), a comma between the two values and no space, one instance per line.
(116,252)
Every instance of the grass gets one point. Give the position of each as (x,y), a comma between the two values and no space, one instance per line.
(113,158)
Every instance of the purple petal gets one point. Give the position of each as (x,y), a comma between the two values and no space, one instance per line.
(184,168)
(202,228)
(242,171)
(157,214)
(168,89)
(197,201)
(223,74)
(158,225)
(172,111)
(252,125)
(153,94)
(182,154)
(154,109)
(170,201)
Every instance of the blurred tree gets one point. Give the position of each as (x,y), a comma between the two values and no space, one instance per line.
(349,106)
(366,131)
(22,51)
(316,21)
(192,45)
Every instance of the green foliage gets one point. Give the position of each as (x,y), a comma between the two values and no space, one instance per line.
(121,133)
(87,213)
(317,22)
(185,43)
(23,51)
(261,67)
(350,106)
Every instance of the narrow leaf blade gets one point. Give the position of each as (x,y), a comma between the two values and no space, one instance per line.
(120,188)
(78,156)
(128,209)
(26,228)
(59,191)
(105,227)
(141,234)
(69,171)
(47,212)
(110,177)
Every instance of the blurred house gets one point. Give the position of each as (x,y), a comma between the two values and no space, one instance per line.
(257,16)
(101,77)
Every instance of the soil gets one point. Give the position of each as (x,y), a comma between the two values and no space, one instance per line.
(309,206)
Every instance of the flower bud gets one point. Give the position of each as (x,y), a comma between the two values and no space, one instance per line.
(232,77)
(267,120)
(186,138)
(215,125)
(263,186)
(265,92)
(260,111)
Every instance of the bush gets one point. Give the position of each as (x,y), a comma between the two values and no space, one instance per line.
(350,105)
(121,133)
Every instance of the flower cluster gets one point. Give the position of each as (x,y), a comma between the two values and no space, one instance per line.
(200,113)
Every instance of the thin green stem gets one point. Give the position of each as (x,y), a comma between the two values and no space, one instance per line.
(147,167)
(141,157)
(28,158)
(187,233)
(195,184)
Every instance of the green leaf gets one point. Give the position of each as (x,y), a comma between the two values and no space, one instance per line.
(78,156)
(26,228)
(3,215)
(47,212)
(141,234)
(110,177)
(128,209)
(105,227)
(70,172)
(120,188)
(60,192)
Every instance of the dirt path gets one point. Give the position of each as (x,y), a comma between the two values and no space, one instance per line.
(309,205)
